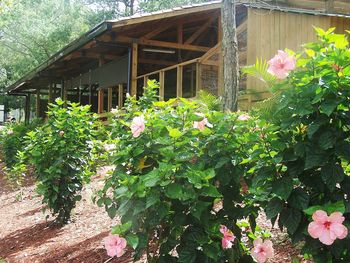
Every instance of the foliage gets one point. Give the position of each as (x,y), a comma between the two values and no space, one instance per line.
(308,164)
(259,71)
(12,140)
(168,178)
(60,154)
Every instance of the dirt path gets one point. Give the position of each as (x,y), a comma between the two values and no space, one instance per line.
(26,235)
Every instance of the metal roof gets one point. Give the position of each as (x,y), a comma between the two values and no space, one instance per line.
(272,7)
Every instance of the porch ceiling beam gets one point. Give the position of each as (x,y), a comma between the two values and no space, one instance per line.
(156,62)
(157,43)
(200,31)
(157,31)
(89,54)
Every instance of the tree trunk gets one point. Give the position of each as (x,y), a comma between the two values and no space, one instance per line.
(230,54)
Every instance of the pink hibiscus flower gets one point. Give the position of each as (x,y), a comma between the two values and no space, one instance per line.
(137,126)
(281,64)
(115,245)
(262,251)
(243,117)
(327,228)
(9,132)
(200,125)
(228,238)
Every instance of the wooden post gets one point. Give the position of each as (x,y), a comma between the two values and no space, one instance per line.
(37,110)
(134,69)
(198,78)
(120,95)
(50,92)
(145,79)
(27,109)
(100,101)
(179,81)
(110,97)
(161,85)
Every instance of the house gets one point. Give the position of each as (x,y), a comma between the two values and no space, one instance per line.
(181,48)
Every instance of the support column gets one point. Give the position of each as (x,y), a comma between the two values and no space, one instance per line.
(110,97)
(50,92)
(100,101)
(37,106)
(120,95)
(179,81)
(161,84)
(198,78)
(27,109)
(134,69)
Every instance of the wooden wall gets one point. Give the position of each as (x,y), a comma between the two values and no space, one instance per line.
(269,31)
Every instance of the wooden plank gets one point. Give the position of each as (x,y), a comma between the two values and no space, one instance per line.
(134,69)
(110,98)
(165,44)
(219,29)
(179,72)
(37,109)
(145,79)
(198,78)
(161,84)
(200,30)
(120,95)
(50,98)
(211,52)
(155,62)
(242,27)
(158,30)
(170,68)
(100,101)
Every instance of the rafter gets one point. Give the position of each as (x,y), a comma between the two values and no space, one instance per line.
(157,43)
(200,30)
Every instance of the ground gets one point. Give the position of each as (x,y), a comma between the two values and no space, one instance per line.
(26,235)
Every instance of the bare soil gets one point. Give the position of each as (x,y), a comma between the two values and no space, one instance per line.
(28,235)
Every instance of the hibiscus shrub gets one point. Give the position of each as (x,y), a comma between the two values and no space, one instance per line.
(12,140)
(305,183)
(178,181)
(60,154)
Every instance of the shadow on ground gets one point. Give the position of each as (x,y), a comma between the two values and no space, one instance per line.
(86,251)
(27,237)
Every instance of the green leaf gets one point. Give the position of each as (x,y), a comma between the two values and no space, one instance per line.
(329,208)
(283,187)
(274,207)
(313,159)
(152,178)
(290,218)
(121,229)
(199,208)
(152,198)
(326,140)
(299,199)
(331,175)
(174,133)
(174,191)
(112,211)
(211,191)
(133,240)
(328,106)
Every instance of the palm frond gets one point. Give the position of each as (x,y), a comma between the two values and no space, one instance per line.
(259,71)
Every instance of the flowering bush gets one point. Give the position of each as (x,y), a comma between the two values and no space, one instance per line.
(178,183)
(12,140)
(305,179)
(59,152)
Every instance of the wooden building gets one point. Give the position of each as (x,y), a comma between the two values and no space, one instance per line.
(181,48)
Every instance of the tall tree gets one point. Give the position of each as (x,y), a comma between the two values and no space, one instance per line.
(230,54)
